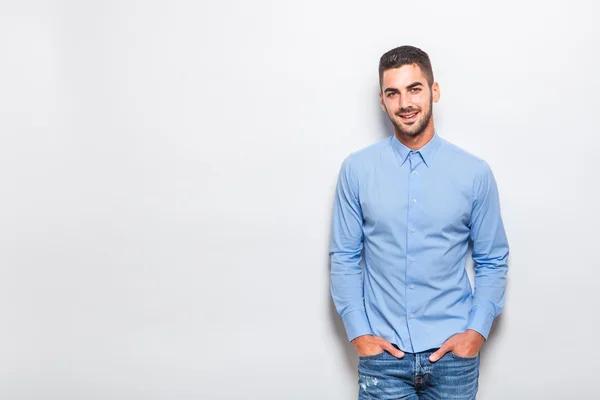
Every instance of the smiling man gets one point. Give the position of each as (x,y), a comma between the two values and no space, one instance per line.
(408,206)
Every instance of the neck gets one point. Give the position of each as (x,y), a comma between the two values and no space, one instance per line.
(418,141)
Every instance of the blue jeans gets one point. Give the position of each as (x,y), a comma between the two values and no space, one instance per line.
(414,377)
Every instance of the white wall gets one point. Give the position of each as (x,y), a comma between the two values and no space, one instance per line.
(167,173)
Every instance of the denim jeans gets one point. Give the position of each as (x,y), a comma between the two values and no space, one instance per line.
(383,376)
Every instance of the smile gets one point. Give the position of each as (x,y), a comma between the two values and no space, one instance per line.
(409,117)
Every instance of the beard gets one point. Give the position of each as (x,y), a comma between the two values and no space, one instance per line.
(417,127)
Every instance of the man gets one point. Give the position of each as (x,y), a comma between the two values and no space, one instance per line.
(411,202)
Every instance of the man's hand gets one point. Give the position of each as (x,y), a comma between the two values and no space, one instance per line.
(466,344)
(369,345)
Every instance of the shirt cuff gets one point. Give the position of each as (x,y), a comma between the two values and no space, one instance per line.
(480,320)
(356,324)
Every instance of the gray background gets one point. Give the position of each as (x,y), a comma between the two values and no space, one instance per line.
(167,173)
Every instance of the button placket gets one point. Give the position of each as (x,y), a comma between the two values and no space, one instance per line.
(414,161)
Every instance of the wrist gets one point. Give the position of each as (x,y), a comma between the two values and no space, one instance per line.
(361,338)
(475,335)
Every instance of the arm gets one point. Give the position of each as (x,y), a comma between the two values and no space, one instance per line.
(345,253)
(490,253)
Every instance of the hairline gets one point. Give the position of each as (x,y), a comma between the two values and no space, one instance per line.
(429,84)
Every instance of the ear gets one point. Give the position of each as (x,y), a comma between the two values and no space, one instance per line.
(435,92)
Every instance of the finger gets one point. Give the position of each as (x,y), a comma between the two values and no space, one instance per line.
(387,346)
(398,353)
(439,353)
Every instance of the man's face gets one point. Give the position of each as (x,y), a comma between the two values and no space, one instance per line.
(407,99)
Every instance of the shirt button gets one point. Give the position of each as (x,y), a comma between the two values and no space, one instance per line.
(414,172)
(412,286)
(412,315)
(412,260)
(414,200)
(412,231)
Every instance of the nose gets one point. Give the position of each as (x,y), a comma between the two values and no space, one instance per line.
(404,102)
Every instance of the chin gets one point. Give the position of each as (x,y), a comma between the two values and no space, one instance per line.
(417,128)
(412,132)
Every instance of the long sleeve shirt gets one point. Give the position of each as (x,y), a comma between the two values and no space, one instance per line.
(409,216)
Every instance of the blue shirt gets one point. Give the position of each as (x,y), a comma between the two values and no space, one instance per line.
(409,215)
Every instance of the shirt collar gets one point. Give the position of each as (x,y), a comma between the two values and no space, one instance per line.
(427,152)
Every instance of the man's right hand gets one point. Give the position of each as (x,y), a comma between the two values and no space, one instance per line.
(369,345)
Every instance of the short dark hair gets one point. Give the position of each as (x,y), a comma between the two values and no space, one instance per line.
(405,55)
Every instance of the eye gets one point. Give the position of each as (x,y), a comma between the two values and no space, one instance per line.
(390,94)
(415,90)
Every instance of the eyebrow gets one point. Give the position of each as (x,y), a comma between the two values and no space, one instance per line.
(412,85)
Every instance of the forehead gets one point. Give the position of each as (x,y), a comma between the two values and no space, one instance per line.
(403,76)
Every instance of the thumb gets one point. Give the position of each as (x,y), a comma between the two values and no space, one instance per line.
(439,353)
(391,349)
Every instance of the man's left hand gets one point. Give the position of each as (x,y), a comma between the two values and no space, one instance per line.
(466,344)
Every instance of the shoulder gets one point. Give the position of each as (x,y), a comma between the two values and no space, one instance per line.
(363,159)
(464,160)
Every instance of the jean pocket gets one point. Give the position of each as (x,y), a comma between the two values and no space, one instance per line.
(463,357)
(373,357)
